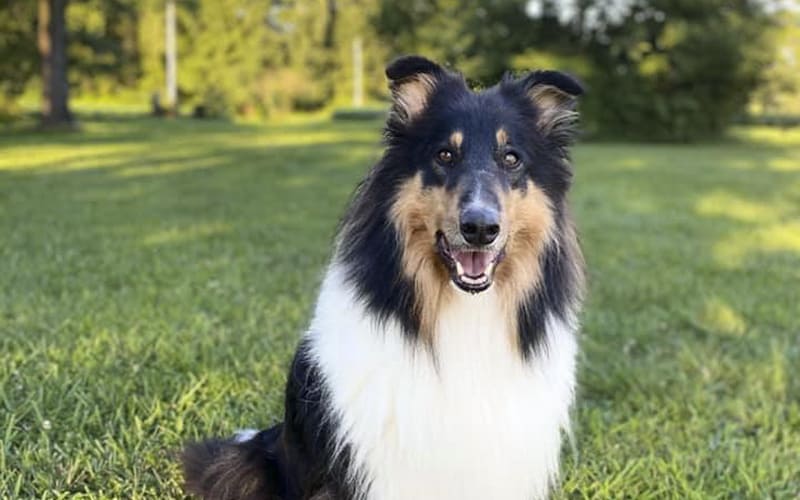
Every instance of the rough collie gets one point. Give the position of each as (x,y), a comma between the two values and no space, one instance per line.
(440,360)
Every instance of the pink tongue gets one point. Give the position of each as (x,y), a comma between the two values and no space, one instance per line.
(474,263)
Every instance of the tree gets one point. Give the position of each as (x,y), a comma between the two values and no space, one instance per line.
(675,70)
(18,55)
(229,46)
(779,91)
(103,49)
(52,37)
(171,57)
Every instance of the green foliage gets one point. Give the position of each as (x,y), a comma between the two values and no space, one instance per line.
(103,45)
(18,52)
(660,69)
(157,275)
(676,70)
(354,20)
(779,91)
(230,48)
(477,37)
(255,58)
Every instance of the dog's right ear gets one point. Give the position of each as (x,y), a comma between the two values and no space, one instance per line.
(412,80)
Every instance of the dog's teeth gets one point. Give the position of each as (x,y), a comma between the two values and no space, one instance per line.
(475,281)
(459,269)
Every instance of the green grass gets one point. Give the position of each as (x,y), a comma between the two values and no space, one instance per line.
(156,275)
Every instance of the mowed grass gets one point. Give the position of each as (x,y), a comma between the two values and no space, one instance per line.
(155,277)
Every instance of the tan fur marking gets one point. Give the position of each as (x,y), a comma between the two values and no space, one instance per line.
(548,96)
(456,139)
(411,95)
(530,229)
(502,137)
(417,213)
(554,106)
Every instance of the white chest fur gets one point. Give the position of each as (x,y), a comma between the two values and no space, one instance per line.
(479,424)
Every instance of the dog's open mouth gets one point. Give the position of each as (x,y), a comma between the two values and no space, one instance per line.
(471,269)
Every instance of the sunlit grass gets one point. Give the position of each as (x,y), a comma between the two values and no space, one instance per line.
(156,276)
(726,205)
(774,238)
(719,317)
(782,136)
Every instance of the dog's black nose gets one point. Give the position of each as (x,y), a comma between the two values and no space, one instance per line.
(479,226)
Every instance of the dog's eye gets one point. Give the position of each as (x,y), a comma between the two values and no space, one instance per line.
(445,157)
(510,159)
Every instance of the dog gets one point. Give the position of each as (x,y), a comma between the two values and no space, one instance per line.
(440,360)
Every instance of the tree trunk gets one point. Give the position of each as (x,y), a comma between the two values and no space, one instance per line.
(358,72)
(171,57)
(330,25)
(52,38)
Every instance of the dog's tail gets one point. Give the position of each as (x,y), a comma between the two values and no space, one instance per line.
(246,467)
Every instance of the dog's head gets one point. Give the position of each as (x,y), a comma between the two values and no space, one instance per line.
(486,173)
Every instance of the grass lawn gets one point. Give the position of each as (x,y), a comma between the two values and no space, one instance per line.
(156,275)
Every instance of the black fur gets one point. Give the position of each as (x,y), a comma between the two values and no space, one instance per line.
(309,429)
(561,81)
(560,289)
(405,67)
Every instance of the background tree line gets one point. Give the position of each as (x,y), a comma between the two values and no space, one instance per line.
(656,69)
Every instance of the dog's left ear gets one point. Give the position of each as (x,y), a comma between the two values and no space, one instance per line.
(412,80)
(555,96)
